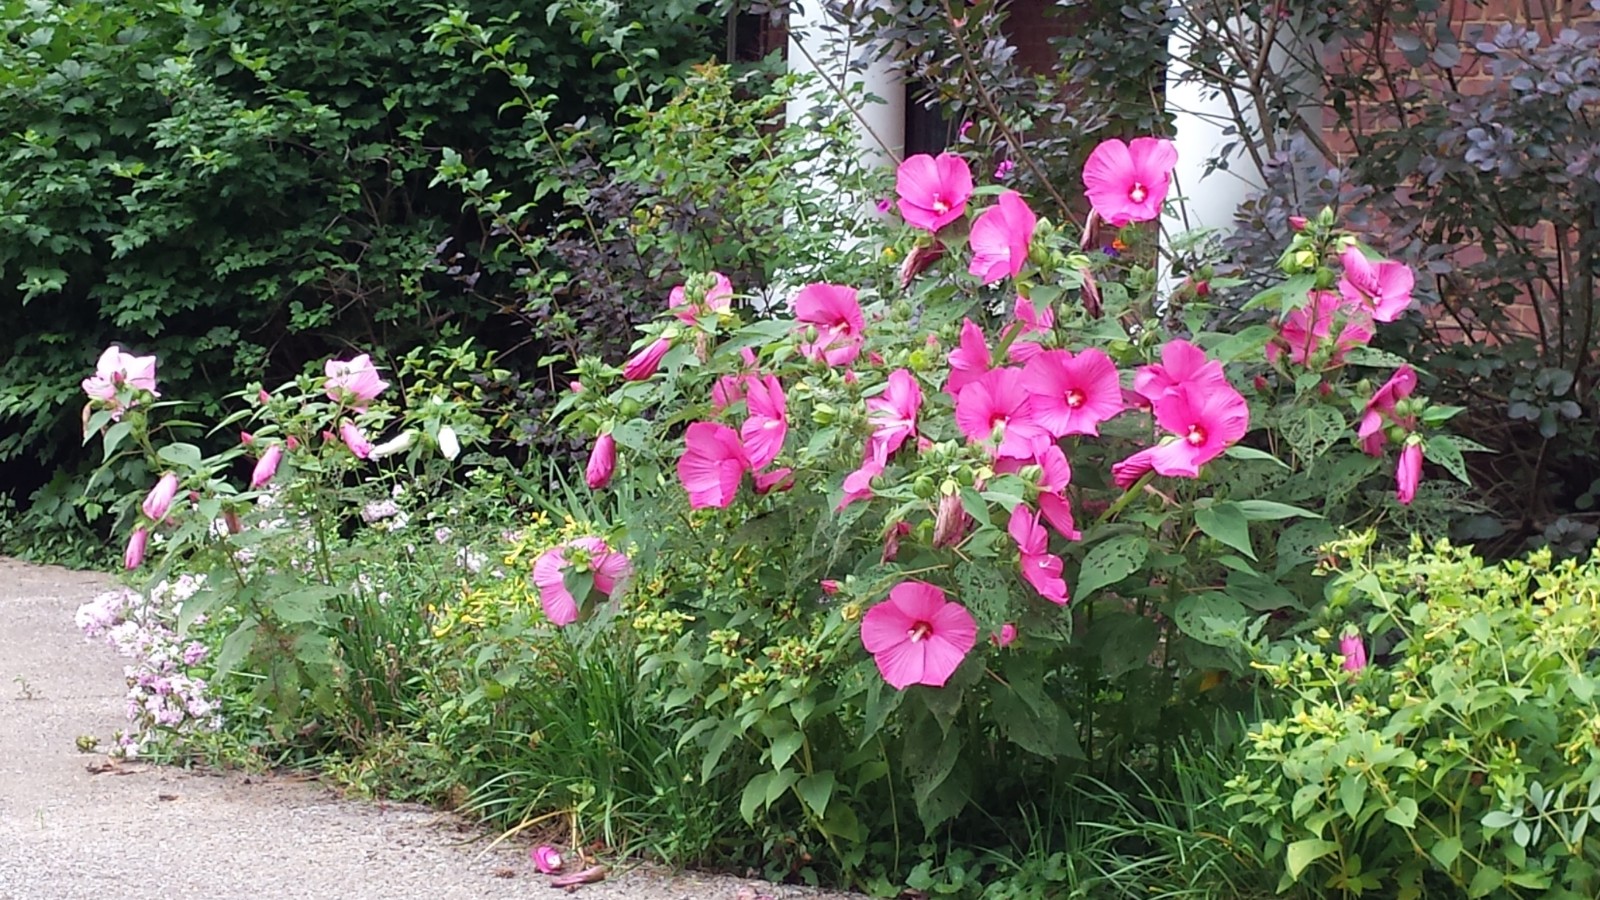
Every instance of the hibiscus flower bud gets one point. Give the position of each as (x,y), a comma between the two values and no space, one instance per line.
(1354,651)
(602,462)
(158,502)
(266,466)
(133,557)
(1297,223)
(646,361)
(949,522)
(830,587)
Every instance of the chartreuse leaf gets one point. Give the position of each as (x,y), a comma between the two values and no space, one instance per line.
(1303,853)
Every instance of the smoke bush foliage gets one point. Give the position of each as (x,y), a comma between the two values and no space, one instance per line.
(243,187)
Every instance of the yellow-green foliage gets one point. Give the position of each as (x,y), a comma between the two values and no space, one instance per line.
(1466,763)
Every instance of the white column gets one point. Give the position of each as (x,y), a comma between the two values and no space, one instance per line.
(1202,116)
(875,98)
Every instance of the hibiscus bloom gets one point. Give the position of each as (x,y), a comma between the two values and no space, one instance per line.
(116,369)
(1207,420)
(1381,408)
(1073,394)
(1382,287)
(353,381)
(1040,567)
(893,414)
(712,465)
(1128,182)
(1306,329)
(833,310)
(1031,318)
(765,428)
(719,299)
(1181,363)
(933,190)
(609,567)
(1000,238)
(999,403)
(970,361)
(916,636)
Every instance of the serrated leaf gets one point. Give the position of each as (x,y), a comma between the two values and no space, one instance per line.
(1226,522)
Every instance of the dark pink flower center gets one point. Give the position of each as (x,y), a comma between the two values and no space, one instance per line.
(1137,193)
(919,632)
(1075,398)
(939,204)
(1196,435)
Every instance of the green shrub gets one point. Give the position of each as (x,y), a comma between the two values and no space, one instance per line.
(242,188)
(1467,761)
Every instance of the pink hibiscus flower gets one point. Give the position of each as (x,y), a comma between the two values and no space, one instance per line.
(916,636)
(833,310)
(767,425)
(933,191)
(353,381)
(1207,420)
(1381,409)
(609,567)
(1128,472)
(1128,182)
(858,484)
(1073,394)
(970,361)
(1057,510)
(116,369)
(729,389)
(712,465)
(1181,363)
(999,403)
(1031,318)
(1040,567)
(1382,287)
(893,414)
(1000,238)
(719,299)
(1306,329)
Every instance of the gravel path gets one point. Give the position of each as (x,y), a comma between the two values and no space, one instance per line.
(154,833)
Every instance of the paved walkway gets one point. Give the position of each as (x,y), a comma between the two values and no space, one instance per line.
(155,833)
